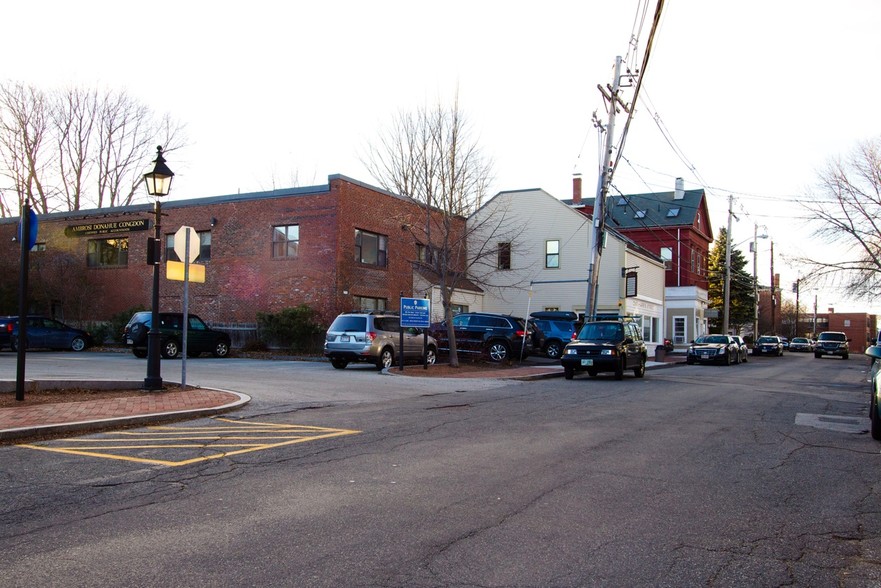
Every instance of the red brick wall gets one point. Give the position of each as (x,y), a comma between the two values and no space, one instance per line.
(242,277)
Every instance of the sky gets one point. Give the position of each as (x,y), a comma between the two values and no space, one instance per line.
(754,97)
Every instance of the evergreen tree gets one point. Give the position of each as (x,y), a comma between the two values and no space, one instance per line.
(742,301)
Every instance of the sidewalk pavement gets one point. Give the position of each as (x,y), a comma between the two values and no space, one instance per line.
(33,420)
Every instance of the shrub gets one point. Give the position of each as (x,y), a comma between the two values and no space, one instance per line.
(115,325)
(292,328)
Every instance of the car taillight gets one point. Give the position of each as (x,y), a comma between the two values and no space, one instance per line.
(520,333)
(8,327)
(371,336)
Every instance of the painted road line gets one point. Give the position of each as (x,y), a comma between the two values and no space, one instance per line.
(244,437)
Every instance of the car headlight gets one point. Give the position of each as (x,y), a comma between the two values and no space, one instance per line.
(570,351)
(607,352)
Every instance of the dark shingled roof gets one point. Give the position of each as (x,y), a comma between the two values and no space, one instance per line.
(654,209)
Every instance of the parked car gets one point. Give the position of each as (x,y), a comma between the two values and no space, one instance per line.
(44,332)
(801,344)
(744,348)
(374,337)
(557,333)
(200,337)
(7,325)
(768,345)
(498,337)
(832,343)
(714,349)
(874,352)
(785,342)
(606,346)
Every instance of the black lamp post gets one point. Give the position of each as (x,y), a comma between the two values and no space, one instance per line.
(158,184)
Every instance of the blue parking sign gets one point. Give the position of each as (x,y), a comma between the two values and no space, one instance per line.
(415,312)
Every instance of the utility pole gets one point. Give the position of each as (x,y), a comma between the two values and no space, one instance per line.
(773,294)
(727,294)
(599,209)
(796,286)
(755,282)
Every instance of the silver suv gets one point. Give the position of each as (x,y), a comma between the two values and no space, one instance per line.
(374,337)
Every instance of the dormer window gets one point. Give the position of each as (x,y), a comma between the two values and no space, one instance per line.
(639,214)
(673,212)
(622,201)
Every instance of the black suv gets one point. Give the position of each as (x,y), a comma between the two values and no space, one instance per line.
(832,343)
(499,337)
(200,337)
(606,346)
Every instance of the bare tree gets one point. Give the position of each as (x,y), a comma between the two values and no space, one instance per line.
(846,211)
(76,148)
(430,156)
(24,150)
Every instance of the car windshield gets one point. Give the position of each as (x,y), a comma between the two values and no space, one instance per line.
(349,323)
(712,339)
(799,340)
(601,332)
(767,339)
(832,337)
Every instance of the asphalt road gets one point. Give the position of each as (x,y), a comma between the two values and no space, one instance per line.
(760,474)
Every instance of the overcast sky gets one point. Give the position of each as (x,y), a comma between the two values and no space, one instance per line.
(756,95)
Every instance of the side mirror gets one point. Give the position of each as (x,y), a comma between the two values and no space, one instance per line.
(874,351)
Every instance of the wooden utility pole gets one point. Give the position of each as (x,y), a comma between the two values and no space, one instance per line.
(599,210)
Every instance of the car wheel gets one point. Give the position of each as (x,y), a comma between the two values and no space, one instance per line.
(568,373)
(78,344)
(139,353)
(874,418)
(554,349)
(430,356)
(844,356)
(13,344)
(386,358)
(745,357)
(619,370)
(339,364)
(818,355)
(170,349)
(639,371)
(221,349)
(689,361)
(727,359)
(499,351)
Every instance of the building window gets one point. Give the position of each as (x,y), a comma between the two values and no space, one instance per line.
(285,241)
(367,303)
(673,212)
(504,256)
(107,253)
(425,254)
(458,308)
(371,248)
(667,256)
(639,214)
(204,247)
(552,254)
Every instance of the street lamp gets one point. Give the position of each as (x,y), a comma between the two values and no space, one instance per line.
(158,184)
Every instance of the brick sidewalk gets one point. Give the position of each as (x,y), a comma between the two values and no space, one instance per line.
(96,410)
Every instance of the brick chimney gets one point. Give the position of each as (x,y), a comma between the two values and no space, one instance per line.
(576,189)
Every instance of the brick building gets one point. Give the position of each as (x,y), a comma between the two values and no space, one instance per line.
(333,247)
